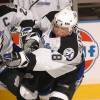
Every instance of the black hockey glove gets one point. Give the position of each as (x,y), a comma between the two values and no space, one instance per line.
(21,60)
(31,45)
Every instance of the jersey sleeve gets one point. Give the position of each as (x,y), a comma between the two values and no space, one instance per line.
(23,14)
(44,61)
(23,3)
(45,22)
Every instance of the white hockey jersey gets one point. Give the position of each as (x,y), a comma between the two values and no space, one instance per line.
(12,16)
(65,50)
(43,6)
(5,42)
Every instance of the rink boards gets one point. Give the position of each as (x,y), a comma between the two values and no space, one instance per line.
(84,92)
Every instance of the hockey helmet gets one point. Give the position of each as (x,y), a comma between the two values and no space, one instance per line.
(66,18)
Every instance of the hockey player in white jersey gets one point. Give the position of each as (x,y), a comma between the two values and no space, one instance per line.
(51,82)
(64,37)
(17,68)
(45,6)
(67,56)
(51,5)
(12,16)
(40,8)
(9,18)
(14,63)
(10,56)
(26,4)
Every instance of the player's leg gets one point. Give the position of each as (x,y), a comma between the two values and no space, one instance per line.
(66,84)
(63,92)
(11,78)
(29,85)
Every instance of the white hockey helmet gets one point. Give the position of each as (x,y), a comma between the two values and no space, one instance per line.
(66,18)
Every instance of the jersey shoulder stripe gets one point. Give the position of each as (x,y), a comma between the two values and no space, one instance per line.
(5,9)
(51,15)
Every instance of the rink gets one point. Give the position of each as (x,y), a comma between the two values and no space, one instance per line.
(84,92)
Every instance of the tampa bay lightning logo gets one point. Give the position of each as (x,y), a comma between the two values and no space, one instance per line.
(69,53)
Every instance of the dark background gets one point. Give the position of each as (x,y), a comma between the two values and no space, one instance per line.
(4,1)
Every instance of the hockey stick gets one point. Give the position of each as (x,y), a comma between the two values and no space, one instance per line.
(33,4)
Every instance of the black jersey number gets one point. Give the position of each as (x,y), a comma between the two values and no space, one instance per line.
(23,11)
(6,23)
(56,57)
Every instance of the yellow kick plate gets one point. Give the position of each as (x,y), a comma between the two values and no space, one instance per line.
(84,92)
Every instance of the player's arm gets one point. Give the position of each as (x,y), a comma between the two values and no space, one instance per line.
(38,60)
(21,60)
(32,37)
(20,15)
